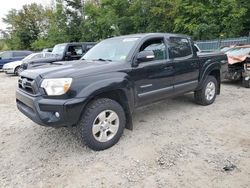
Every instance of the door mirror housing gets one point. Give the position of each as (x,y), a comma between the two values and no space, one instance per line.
(68,54)
(145,56)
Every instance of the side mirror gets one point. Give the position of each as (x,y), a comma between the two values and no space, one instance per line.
(68,54)
(0,57)
(145,56)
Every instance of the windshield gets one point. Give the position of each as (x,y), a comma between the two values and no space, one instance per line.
(37,56)
(29,57)
(116,49)
(59,49)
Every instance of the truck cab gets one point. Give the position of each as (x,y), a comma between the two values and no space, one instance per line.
(62,52)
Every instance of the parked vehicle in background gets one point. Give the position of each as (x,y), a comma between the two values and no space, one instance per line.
(118,75)
(62,52)
(238,67)
(15,66)
(47,50)
(10,56)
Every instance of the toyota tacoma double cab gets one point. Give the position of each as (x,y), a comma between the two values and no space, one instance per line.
(100,92)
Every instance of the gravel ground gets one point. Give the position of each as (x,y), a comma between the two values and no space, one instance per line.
(175,143)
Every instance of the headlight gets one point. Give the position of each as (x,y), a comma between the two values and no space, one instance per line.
(58,86)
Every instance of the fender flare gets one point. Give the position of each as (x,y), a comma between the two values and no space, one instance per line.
(215,66)
(109,85)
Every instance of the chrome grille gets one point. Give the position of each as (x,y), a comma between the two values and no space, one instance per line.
(27,85)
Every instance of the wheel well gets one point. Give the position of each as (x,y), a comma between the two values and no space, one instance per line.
(17,67)
(120,97)
(216,74)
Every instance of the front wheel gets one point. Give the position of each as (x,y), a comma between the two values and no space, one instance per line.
(246,82)
(18,70)
(207,94)
(102,124)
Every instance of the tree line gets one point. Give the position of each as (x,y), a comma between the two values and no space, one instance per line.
(36,27)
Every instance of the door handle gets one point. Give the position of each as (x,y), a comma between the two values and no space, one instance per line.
(169,68)
(193,64)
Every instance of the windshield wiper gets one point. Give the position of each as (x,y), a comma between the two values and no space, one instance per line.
(101,59)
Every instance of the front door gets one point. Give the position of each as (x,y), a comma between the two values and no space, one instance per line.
(154,79)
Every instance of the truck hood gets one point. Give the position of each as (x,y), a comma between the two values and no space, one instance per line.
(73,69)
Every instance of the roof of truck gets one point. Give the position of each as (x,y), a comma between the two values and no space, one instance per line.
(142,35)
(75,43)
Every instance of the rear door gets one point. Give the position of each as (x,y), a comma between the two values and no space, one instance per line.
(185,62)
(154,79)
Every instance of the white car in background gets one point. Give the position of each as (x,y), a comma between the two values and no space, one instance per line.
(15,67)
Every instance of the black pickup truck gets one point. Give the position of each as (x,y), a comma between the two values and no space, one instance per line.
(99,93)
(61,52)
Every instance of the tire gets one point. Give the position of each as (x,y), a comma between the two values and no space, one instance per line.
(95,130)
(207,94)
(18,70)
(246,83)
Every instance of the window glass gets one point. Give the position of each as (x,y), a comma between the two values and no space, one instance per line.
(115,49)
(89,46)
(19,54)
(32,57)
(37,56)
(179,47)
(48,55)
(6,55)
(75,50)
(59,49)
(157,46)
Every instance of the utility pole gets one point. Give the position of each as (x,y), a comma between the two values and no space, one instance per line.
(82,9)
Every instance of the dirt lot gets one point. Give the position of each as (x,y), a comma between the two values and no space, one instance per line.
(175,143)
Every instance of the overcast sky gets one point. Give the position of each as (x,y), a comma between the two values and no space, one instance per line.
(7,5)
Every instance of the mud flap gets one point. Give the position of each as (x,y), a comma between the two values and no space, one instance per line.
(246,82)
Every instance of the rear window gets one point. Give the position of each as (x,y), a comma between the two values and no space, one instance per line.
(179,47)
(6,55)
(89,46)
(20,54)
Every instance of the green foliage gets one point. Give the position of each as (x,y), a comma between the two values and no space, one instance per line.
(210,19)
(3,45)
(27,25)
(35,27)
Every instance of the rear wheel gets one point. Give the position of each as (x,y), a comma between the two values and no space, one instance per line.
(207,94)
(102,124)
(246,82)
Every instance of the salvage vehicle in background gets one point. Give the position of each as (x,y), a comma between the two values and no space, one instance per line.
(47,50)
(100,92)
(10,56)
(62,52)
(15,66)
(238,67)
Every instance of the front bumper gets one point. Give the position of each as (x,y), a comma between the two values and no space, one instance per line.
(42,111)
(8,70)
